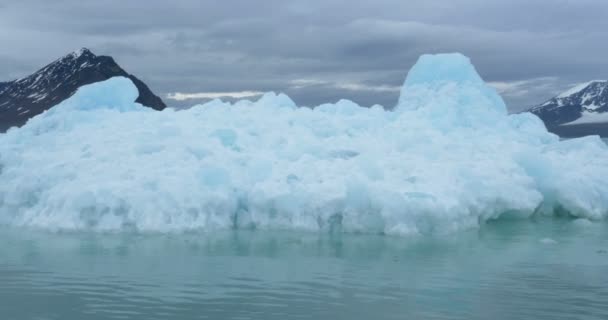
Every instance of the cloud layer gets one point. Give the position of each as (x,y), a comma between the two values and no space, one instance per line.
(315,51)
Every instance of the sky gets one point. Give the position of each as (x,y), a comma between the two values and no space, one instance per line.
(316,51)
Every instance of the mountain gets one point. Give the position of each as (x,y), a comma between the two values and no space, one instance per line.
(27,97)
(582,110)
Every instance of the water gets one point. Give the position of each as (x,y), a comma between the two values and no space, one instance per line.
(547,269)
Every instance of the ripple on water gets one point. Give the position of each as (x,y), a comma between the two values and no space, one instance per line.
(506,270)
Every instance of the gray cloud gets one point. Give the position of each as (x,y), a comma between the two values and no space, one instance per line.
(530,49)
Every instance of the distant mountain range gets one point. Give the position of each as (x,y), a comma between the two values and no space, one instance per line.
(580,111)
(27,97)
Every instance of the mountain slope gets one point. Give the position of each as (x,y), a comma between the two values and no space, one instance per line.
(582,110)
(27,97)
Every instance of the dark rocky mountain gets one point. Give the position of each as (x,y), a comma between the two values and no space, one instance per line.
(580,111)
(27,97)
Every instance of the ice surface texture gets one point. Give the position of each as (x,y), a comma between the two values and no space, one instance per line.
(447,158)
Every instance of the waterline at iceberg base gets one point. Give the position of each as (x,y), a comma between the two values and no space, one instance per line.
(447,158)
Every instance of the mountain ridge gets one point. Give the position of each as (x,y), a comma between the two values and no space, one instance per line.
(581,110)
(24,98)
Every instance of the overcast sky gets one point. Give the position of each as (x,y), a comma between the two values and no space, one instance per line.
(315,51)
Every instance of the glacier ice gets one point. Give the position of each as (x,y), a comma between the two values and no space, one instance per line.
(449,157)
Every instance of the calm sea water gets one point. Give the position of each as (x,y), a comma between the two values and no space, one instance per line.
(548,269)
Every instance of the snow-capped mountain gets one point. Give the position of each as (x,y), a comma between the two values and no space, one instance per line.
(582,110)
(24,98)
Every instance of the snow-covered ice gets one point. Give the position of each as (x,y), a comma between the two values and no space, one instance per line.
(578,88)
(589,117)
(449,157)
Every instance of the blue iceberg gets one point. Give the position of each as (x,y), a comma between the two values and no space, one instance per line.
(447,158)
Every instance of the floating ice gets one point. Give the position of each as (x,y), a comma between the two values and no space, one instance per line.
(447,158)
(548,241)
(581,222)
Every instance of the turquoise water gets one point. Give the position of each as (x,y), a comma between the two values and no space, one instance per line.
(544,269)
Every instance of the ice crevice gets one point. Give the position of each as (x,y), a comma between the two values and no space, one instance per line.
(447,158)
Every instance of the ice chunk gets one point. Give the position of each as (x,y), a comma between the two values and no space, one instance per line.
(280,100)
(449,82)
(117,93)
(583,223)
(548,241)
(438,69)
(448,158)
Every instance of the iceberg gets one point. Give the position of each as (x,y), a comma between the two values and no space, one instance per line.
(447,158)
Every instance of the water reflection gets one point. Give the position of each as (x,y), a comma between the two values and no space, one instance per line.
(503,271)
